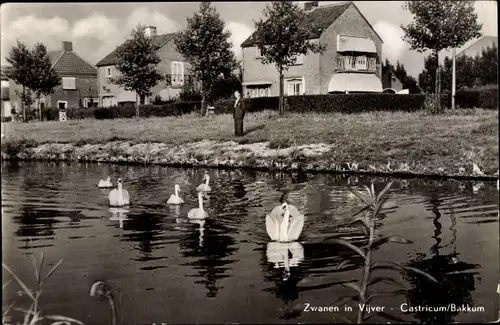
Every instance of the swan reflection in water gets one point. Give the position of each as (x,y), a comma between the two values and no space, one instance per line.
(285,255)
(200,222)
(118,214)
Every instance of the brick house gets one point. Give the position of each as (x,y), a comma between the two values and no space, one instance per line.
(478,46)
(172,65)
(351,62)
(78,86)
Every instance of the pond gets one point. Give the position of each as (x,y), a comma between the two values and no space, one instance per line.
(162,268)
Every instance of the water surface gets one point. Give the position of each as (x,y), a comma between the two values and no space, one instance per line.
(163,268)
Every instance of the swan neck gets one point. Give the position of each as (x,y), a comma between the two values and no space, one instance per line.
(207,180)
(112,306)
(284,225)
(200,202)
(176,191)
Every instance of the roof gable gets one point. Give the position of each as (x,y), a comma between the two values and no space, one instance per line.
(479,45)
(321,18)
(69,63)
(159,40)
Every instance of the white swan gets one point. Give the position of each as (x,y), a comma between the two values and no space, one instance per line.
(119,197)
(198,213)
(284,223)
(204,187)
(105,183)
(175,198)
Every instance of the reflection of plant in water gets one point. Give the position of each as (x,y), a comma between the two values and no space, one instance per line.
(34,315)
(374,203)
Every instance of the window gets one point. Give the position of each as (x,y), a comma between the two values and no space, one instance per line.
(258,91)
(295,87)
(372,64)
(90,102)
(360,63)
(108,72)
(69,83)
(62,104)
(177,71)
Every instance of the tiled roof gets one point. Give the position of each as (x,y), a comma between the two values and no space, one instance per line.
(4,70)
(111,58)
(68,63)
(320,18)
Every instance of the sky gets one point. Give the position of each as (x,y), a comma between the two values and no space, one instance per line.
(97,28)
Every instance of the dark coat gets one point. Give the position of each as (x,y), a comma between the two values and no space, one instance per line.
(239,109)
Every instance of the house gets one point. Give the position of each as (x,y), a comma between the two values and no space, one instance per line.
(172,65)
(391,83)
(478,46)
(351,62)
(10,97)
(78,86)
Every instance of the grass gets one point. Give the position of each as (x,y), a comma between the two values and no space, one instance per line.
(442,140)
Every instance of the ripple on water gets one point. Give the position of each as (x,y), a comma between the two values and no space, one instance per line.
(153,256)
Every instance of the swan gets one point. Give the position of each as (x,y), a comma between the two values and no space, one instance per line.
(476,170)
(198,213)
(119,197)
(102,289)
(105,183)
(175,198)
(279,226)
(204,187)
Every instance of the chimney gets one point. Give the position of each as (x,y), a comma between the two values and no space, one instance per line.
(67,46)
(150,31)
(310,5)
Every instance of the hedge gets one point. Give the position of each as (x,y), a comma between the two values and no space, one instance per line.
(345,103)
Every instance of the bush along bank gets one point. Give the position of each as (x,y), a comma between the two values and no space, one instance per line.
(230,154)
(342,103)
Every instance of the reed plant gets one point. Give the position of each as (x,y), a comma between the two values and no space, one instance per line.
(374,203)
(34,315)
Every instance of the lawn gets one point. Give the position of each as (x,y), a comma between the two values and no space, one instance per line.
(438,140)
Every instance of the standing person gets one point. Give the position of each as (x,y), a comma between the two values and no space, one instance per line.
(238,115)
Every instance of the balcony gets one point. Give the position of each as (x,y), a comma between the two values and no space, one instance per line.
(178,80)
(356,63)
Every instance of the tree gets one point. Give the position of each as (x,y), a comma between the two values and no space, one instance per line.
(446,80)
(465,72)
(206,46)
(45,78)
(137,64)
(22,70)
(438,25)
(487,65)
(408,82)
(282,36)
(427,78)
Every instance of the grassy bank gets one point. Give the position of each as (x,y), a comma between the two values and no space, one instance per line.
(415,143)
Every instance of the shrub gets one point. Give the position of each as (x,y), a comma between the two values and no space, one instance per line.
(344,103)
(6,119)
(50,114)
(483,97)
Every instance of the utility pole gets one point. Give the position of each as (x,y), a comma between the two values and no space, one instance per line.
(453,80)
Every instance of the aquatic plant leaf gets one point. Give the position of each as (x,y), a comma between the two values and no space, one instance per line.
(380,204)
(7,310)
(392,239)
(373,190)
(418,271)
(62,319)
(386,279)
(364,227)
(352,286)
(342,264)
(361,211)
(348,245)
(360,196)
(368,191)
(40,268)
(382,193)
(21,283)
(54,268)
